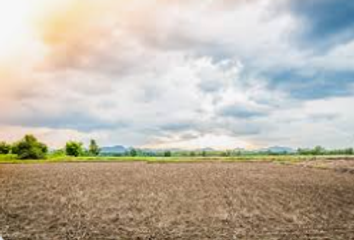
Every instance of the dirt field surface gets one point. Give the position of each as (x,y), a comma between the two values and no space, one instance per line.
(340,165)
(102,201)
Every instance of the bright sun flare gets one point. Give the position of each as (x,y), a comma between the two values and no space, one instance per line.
(17,23)
(14,24)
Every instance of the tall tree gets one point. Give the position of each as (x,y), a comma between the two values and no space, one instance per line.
(94,149)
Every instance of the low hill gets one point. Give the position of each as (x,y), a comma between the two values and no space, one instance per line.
(113,150)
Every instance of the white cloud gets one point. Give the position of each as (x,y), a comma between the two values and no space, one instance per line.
(340,58)
(164,73)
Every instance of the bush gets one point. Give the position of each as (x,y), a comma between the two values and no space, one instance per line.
(30,148)
(5,148)
(74,148)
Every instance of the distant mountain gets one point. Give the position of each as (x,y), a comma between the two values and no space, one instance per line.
(278,149)
(118,149)
(153,150)
(208,149)
(113,150)
(240,150)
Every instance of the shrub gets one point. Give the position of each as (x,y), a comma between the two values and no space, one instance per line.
(5,148)
(30,148)
(74,148)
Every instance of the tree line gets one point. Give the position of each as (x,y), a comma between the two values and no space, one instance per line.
(30,148)
(322,151)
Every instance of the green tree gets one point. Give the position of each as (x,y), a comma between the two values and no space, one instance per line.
(167,154)
(73,148)
(30,148)
(226,154)
(94,149)
(349,151)
(133,152)
(14,148)
(5,148)
(318,150)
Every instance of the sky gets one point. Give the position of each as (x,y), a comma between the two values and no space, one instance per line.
(178,74)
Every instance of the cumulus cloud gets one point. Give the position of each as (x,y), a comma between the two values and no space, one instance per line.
(182,74)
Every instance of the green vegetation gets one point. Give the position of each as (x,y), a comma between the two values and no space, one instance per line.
(5,148)
(317,151)
(167,154)
(94,150)
(74,149)
(7,157)
(255,158)
(30,148)
(133,152)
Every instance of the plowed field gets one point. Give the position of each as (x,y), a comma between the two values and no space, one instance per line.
(102,201)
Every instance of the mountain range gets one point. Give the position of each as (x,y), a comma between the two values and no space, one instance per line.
(119,149)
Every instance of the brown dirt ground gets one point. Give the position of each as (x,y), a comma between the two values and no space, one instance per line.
(339,165)
(102,201)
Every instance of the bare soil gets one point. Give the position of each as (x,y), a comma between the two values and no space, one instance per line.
(339,165)
(102,201)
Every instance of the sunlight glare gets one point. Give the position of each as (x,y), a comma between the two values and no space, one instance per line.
(17,20)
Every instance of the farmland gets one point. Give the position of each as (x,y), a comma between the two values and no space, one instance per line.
(13,159)
(209,200)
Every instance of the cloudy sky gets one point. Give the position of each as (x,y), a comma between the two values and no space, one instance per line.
(176,73)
